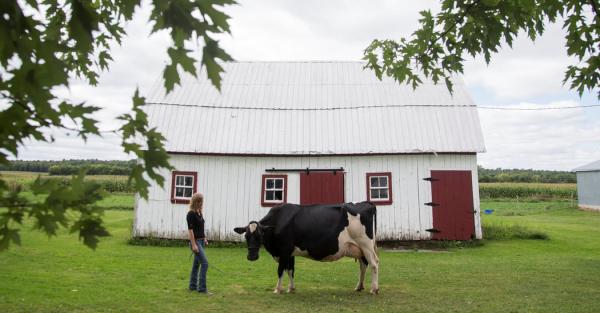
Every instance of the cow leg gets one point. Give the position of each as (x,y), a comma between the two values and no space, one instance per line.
(361,277)
(282,266)
(290,271)
(374,263)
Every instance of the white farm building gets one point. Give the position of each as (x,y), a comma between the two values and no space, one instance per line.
(588,186)
(316,132)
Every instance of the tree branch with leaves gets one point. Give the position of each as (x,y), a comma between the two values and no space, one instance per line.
(437,50)
(45,43)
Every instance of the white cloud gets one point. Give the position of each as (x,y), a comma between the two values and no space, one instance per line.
(69,146)
(334,30)
(520,77)
(547,139)
(316,30)
(526,70)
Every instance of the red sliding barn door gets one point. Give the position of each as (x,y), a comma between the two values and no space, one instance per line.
(321,188)
(452,205)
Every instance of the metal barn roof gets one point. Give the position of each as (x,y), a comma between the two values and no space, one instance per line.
(594,166)
(312,108)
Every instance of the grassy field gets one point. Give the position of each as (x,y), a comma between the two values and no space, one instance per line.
(112,201)
(110,183)
(561,274)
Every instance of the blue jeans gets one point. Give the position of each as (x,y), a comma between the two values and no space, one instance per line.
(201,261)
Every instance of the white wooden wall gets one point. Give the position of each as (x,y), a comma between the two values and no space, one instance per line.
(232,191)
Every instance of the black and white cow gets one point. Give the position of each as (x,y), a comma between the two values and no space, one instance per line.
(319,232)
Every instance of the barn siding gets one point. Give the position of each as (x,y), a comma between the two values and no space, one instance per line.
(232,188)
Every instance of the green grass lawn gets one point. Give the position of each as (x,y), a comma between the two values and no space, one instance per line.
(561,274)
(118,201)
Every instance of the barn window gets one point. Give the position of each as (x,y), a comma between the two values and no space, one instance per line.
(379,188)
(274,190)
(183,186)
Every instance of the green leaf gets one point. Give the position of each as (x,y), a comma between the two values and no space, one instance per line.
(84,20)
(8,235)
(180,56)
(103,59)
(90,228)
(211,53)
(479,28)
(171,77)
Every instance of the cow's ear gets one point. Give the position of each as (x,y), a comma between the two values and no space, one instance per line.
(240,230)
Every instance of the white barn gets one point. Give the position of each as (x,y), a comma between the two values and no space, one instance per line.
(316,132)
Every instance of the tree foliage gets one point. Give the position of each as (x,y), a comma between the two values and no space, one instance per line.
(45,43)
(499,175)
(480,27)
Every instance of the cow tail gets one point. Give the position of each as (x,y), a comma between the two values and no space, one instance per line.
(375,229)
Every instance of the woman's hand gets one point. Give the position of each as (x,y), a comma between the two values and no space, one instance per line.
(205,242)
(195,248)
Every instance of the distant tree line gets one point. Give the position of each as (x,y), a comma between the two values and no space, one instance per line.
(524,176)
(99,167)
(70,167)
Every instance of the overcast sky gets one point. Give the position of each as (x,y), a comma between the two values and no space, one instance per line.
(527,76)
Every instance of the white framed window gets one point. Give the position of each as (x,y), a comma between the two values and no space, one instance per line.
(183,186)
(379,188)
(274,189)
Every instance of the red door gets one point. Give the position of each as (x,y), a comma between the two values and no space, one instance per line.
(452,205)
(321,188)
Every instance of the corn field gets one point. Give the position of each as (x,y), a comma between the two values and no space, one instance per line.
(110,183)
(527,191)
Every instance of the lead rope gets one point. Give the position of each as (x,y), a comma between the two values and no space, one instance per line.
(211,265)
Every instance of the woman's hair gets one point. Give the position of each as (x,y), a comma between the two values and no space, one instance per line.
(197,202)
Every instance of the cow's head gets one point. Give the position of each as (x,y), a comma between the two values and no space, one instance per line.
(254,236)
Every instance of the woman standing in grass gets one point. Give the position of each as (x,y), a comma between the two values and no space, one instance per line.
(198,242)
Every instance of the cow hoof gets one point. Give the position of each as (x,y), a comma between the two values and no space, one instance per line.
(359,288)
(374,291)
(291,290)
(277,291)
